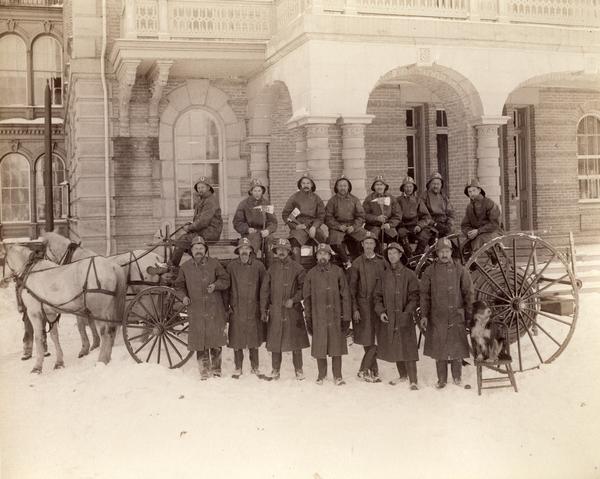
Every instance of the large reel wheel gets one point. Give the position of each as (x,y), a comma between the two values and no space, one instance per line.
(531,288)
(155,327)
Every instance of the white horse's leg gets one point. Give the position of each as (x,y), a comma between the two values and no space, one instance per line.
(108,333)
(60,363)
(85,342)
(38,336)
(95,336)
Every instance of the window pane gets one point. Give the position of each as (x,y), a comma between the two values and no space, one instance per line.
(581,145)
(409,117)
(185,198)
(13,71)
(47,65)
(197,153)
(588,151)
(14,183)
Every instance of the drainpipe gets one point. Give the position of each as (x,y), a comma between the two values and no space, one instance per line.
(106,132)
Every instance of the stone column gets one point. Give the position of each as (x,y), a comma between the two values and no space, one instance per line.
(318,154)
(353,152)
(259,162)
(488,155)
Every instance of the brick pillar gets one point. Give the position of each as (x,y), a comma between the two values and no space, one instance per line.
(488,155)
(353,152)
(317,155)
(259,162)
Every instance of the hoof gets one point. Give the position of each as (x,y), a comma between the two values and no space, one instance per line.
(83,353)
(60,365)
(36,370)
(95,346)
(25,357)
(46,354)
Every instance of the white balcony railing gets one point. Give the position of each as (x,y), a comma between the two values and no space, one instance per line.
(31,3)
(197,19)
(261,19)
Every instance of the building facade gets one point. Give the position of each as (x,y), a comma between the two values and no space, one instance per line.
(158,92)
(31,53)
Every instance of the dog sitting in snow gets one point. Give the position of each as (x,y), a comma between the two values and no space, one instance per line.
(486,337)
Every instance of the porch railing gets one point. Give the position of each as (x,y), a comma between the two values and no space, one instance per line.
(197,19)
(261,19)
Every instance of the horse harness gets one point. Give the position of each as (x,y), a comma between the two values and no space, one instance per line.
(21,285)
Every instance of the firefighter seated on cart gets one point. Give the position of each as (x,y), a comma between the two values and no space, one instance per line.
(345,217)
(207,223)
(439,206)
(482,217)
(415,222)
(254,218)
(382,212)
(304,213)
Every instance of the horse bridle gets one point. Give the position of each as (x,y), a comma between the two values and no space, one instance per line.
(16,275)
(67,256)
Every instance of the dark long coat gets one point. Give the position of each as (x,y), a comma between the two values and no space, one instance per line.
(446,300)
(373,207)
(363,279)
(249,215)
(440,208)
(481,214)
(344,210)
(286,328)
(207,220)
(327,303)
(312,213)
(206,310)
(397,294)
(246,330)
(414,211)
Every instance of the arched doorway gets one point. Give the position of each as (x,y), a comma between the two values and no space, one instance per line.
(424,119)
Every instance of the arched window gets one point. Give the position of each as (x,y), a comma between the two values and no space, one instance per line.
(588,157)
(59,189)
(13,70)
(197,153)
(47,65)
(14,184)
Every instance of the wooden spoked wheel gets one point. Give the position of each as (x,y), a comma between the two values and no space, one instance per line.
(530,287)
(155,327)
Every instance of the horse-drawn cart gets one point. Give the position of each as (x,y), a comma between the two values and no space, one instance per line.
(529,284)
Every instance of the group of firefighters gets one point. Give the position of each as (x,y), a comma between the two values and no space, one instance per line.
(376,293)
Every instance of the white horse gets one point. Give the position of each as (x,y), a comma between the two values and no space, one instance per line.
(94,286)
(134,263)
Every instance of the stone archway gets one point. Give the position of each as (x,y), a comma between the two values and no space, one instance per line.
(201,94)
(541,154)
(442,88)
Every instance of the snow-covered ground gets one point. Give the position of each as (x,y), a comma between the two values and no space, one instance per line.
(129,420)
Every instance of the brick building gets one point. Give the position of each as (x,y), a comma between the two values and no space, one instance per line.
(506,91)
